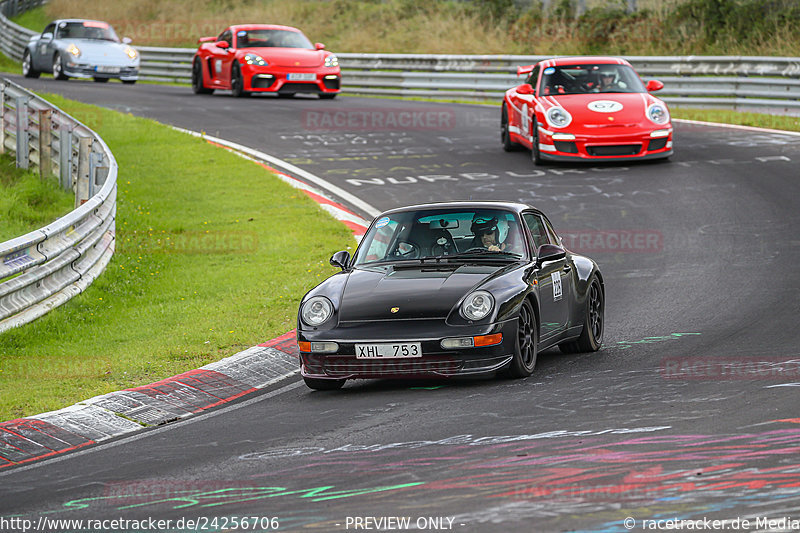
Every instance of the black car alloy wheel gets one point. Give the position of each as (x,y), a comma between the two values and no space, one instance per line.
(595,310)
(524,360)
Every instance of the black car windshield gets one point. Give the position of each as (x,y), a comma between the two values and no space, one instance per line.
(590,78)
(442,234)
(272,39)
(88,29)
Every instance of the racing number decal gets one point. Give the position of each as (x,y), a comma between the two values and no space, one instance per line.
(556,277)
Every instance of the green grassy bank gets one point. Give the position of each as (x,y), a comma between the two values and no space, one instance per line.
(660,27)
(26,201)
(213,255)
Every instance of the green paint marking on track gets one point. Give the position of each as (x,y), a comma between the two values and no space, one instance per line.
(624,345)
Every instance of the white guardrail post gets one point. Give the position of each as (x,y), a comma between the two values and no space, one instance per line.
(46,267)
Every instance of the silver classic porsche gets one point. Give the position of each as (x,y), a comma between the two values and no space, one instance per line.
(79,48)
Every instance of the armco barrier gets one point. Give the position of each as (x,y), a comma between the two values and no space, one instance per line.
(758,84)
(45,268)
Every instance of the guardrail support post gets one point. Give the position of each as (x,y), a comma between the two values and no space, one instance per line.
(83,178)
(65,155)
(23,148)
(94,163)
(2,118)
(45,143)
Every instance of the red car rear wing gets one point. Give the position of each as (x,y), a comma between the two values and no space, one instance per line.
(525,70)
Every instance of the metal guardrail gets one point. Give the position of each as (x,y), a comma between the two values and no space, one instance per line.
(14,37)
(759,84)
(46,267)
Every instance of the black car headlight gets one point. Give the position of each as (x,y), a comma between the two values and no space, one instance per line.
(316,311)
(658,113)
(558,117)
(477,305)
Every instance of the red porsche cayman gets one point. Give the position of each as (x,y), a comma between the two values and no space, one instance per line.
(586,108)
(252,58)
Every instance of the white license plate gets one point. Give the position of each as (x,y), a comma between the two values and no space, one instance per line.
(388,351)
(301,76)
(107,70)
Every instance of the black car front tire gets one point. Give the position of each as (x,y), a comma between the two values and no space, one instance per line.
(324,384)
(527,343)
(593,321)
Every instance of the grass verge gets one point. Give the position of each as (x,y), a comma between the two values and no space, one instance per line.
(28,202)
(213,256)
(759,120)
(34,19)
(658,27)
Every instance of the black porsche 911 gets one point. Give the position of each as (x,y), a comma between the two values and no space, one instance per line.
(449,289)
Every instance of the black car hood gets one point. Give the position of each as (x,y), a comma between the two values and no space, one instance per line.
(422,291)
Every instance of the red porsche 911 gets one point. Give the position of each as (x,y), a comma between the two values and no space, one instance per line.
(251,58)
(586,108)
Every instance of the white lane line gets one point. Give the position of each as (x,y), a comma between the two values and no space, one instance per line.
(736,126)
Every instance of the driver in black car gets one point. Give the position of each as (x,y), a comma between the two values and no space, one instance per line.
(486,234)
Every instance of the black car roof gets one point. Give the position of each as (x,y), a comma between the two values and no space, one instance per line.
(510,206)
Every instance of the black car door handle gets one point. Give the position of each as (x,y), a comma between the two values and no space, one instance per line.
(567,268)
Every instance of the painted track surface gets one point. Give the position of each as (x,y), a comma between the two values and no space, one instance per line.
(690,410)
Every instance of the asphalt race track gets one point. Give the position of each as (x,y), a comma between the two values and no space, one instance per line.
(689,412)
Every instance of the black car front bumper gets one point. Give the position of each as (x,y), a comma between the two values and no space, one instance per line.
(434,362)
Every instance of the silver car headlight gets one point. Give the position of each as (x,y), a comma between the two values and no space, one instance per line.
(331,61)
(255,59)
(477,305)
(316,311)
(131,52)
(658,113)
(74,50)
(558,117)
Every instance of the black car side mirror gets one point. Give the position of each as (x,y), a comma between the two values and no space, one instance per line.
(550,252)
(341,259)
